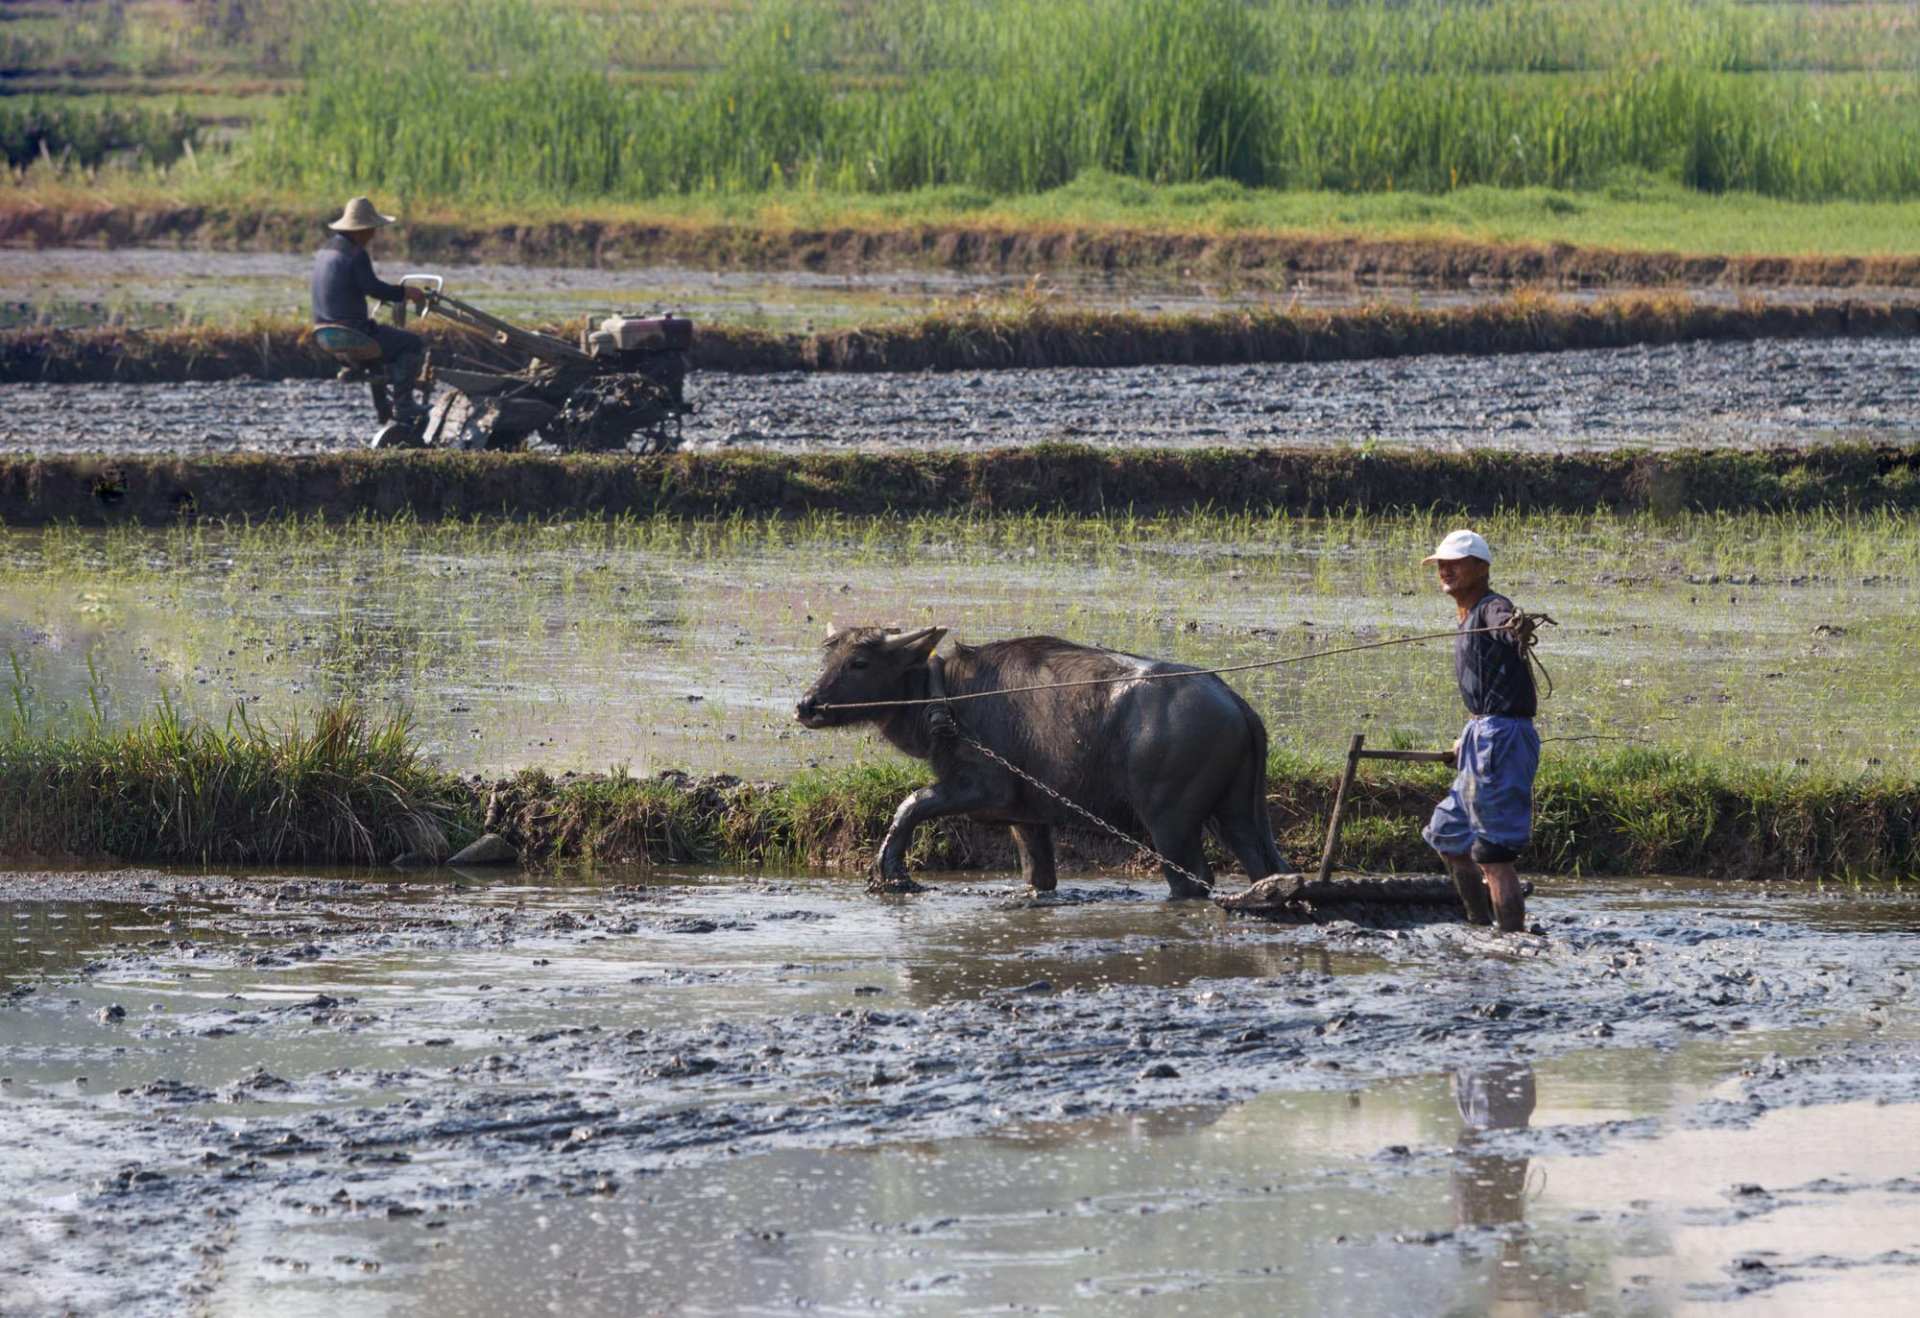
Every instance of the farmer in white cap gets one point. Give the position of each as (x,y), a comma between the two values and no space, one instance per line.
(343,280)
(1486,819)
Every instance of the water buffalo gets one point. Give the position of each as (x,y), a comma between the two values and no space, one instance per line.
(1167,756)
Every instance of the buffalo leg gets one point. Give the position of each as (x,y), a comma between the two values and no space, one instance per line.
(1035,845)
(1186,850)
(948,798)
(1251,842)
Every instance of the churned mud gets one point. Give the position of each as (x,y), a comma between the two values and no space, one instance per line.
(640,1093)
(1764,392)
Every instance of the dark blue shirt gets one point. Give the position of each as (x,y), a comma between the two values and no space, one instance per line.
(343,280)
(1494,675)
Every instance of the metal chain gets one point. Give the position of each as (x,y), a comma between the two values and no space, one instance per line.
(1082,811)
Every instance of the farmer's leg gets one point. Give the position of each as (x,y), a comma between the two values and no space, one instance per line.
(1450,832)
(1471,883)
(404,353)
(1509,901)
(1504,756)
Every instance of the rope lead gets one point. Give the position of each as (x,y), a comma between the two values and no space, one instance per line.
(1522,626)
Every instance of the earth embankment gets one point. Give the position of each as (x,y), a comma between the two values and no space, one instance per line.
(138,797)
(1027,335)
(92,490)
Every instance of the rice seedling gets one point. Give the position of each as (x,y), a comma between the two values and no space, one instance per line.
(670,642)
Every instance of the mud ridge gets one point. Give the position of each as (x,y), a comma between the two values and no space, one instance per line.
(1593,816)
(1024,335)
(1440,262)
(156,490)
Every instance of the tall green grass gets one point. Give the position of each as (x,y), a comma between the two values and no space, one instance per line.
(343,786)
(890,38)
(86,133)
(502,99)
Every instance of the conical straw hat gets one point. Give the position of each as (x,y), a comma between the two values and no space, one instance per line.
(360,214)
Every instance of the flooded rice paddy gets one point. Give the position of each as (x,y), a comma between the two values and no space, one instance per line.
(623,1093)
(162,286)
(1736,394)
(684,645)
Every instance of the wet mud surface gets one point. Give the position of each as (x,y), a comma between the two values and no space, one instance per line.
(709,1095)
(1766,392)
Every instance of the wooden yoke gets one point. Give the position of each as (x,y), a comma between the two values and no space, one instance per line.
(1356,752)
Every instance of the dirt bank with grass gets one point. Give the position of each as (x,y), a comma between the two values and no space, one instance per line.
(763,239)
(431,486)
(345,788)
(1021,335)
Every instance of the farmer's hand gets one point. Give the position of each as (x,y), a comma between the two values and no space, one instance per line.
(1453,754)
(416,295)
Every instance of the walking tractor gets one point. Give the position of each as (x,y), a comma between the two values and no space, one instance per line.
(622,387)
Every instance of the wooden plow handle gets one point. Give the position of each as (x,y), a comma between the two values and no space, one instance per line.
(1356,752)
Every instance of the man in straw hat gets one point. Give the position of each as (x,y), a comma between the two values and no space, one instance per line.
(1486,819)
(343,280)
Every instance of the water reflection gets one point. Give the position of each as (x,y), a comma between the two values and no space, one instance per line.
(1490,1188)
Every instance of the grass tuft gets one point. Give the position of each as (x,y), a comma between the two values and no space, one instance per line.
(341,787)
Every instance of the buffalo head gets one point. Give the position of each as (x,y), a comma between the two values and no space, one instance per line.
(865,664)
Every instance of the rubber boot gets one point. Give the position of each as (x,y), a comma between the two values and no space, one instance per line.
(1474,897)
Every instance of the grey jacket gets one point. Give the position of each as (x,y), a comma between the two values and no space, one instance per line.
(343,280)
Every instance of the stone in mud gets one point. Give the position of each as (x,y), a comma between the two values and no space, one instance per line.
(107,1015)
(487,849)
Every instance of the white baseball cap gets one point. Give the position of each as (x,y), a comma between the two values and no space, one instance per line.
(1461,544)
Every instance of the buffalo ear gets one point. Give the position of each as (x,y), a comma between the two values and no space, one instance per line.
(832,631)
(918,644)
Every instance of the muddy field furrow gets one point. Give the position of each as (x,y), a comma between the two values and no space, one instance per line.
(443,1057)
(1720,394)
(1447,262)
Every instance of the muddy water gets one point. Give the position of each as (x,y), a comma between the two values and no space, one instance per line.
(68,287)
(651,1093)
(1729,394)
(583,647)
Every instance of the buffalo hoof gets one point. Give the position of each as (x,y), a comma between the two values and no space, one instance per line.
(899,885)
(1186,890)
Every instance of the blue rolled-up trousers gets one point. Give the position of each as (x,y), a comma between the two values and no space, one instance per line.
(1488,812)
